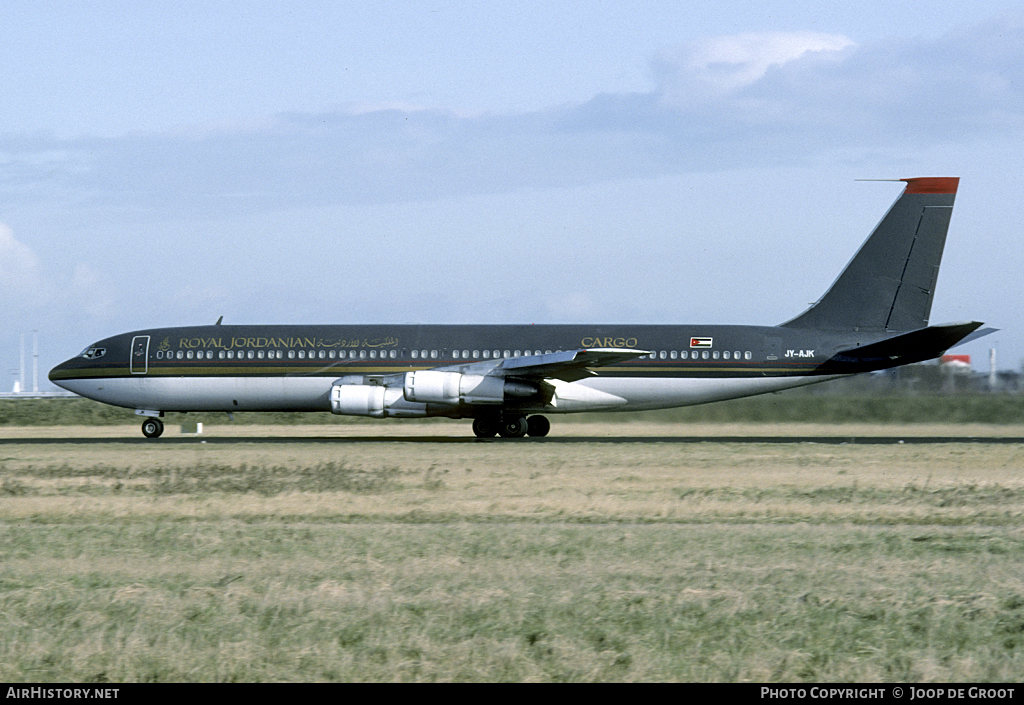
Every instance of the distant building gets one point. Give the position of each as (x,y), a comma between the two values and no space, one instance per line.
(959,364)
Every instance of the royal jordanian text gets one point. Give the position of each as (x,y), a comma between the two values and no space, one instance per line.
(218,343)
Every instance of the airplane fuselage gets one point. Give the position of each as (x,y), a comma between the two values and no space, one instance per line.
(293,367)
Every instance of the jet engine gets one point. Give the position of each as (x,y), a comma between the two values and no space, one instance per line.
(438,387)
(359,395)
(424,393)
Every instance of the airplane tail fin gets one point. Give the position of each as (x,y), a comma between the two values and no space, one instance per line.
(890,282)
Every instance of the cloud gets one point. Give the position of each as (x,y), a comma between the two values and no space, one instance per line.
(88,293)
(721,65)
(22,280)
(747,100)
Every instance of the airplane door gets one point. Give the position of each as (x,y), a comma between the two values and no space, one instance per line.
(772,347)
(140,355)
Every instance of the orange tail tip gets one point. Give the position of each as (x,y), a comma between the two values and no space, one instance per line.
(932,184)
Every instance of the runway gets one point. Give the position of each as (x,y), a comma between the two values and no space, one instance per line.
(837,439)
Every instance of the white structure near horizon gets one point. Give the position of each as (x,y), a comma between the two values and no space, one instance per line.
(19,384)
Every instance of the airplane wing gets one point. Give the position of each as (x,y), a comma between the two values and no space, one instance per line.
(568,366)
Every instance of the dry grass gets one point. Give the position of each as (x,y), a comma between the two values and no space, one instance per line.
(361,559)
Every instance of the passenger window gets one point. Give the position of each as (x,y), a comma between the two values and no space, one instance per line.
(704,355)
(684,355)
(663,355)
(715,354)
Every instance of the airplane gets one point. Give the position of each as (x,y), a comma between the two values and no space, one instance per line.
(508,378)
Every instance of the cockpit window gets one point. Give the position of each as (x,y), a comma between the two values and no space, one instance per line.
(93,353)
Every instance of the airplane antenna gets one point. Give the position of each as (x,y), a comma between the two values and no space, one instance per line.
(219,320)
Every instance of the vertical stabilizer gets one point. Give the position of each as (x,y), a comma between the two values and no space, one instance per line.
(890,282)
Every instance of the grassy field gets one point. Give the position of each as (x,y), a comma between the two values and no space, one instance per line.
(426,558)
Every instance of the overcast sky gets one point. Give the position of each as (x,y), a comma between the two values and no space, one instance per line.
(606,162)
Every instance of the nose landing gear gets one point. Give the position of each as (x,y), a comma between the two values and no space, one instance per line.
(152,428)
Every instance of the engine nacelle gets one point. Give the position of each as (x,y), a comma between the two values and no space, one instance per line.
(372,400)
(437,387)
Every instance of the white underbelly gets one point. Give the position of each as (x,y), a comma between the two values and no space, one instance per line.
(208,393)
(313,393)
(664,393)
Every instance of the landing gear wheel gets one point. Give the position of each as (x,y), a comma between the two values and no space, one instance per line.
(537,426)
(513,427)
(485,428)
(152,428)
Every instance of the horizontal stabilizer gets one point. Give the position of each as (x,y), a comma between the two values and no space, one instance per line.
(916,346)
(980,333)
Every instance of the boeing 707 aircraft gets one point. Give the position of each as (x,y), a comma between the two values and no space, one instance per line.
(508,378)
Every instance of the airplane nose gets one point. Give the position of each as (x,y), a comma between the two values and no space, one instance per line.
(63,373)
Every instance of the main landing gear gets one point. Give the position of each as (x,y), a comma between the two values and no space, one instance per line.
(152,428)
(511,426)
